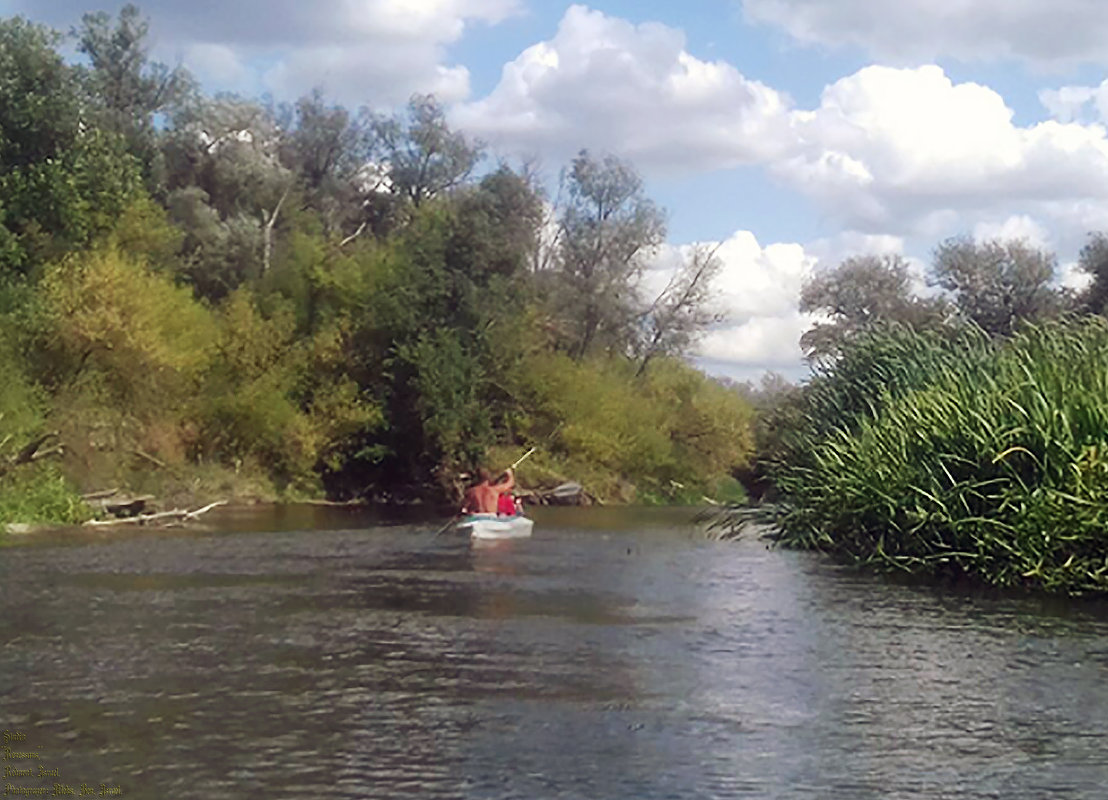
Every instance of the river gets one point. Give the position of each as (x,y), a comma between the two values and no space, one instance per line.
(302,653)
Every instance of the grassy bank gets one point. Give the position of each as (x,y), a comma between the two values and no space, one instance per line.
(40,495)
(953,455)
(669,437)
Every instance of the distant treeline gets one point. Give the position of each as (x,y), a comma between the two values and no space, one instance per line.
(215,295)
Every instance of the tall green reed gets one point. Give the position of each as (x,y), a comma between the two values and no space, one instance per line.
(950,454)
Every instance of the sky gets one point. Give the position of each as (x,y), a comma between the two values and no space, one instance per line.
(794,133)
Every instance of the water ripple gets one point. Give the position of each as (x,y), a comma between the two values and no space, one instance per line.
(608,657)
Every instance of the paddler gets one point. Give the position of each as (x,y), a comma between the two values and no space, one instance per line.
(484,497)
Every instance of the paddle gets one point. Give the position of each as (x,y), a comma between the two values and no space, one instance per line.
(520,459)
(446,527)
(454,518)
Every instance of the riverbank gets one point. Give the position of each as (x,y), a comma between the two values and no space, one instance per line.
(42,498)
(415,519)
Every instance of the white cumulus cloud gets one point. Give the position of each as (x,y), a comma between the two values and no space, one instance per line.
(908,150)
(757,290)
(894,151)
(219,65)
(1020,226)
(1077,103)
(604,83)
(908,31)
(375,52)
(379,77)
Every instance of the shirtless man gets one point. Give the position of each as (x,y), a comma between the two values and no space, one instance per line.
(482,498)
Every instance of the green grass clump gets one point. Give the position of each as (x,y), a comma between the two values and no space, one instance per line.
(958,456)
(40,494)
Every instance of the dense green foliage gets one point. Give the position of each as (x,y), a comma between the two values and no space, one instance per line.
(957,455)
(667,436)
(207,295)
(960,434)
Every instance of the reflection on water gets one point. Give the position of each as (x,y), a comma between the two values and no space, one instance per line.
(314,652)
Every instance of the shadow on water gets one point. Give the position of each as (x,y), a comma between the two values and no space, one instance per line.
(311,651)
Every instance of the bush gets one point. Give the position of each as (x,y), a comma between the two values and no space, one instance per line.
(29,492)
(672,436)
(40,493)
(248,412)
(143,337)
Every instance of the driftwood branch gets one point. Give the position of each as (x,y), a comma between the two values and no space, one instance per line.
(157,462)
(120,505)
(100,495)
(162,517)
(31,452)
(56,450)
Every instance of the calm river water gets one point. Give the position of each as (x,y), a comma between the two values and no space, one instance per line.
(306,653)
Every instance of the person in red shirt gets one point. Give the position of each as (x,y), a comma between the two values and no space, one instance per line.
(484,497)
(506,505)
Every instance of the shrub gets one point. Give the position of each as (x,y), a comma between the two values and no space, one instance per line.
(40,493)
(671,436)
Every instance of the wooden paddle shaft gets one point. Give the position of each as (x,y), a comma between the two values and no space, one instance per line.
(520,459)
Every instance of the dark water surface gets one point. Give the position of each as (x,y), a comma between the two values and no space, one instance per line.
(309,653)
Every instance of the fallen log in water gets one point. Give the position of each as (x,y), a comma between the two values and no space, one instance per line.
(162,517)
(116,504)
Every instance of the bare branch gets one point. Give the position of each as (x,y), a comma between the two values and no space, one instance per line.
(268,232)
(30,453)
(354,235)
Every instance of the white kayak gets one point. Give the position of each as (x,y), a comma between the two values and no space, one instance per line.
(493,526)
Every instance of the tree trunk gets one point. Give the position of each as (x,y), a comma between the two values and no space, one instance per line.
(267,232)
(592,322)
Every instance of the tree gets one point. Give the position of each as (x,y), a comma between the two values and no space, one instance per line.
(63,181)
(497,226)
(447,294)
(424,157)
(323,143)
(39,103)
(227,190)
(860,292)
(1093,260)
(770,390)
(997,284)
(125,89)
(607,229)
(330,151)
(107,314)
(682,312)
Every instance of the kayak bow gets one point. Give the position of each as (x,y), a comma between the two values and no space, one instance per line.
(492,526)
